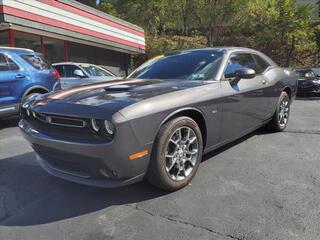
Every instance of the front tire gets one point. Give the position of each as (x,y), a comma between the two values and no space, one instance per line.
(280,118)
(176,155)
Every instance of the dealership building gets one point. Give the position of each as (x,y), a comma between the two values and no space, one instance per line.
(66,30)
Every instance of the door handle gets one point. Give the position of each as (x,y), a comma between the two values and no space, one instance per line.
(19,76)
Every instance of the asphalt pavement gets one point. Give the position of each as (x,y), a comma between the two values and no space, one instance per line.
(264,186)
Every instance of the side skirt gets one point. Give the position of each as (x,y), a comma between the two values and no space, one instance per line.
(218,145)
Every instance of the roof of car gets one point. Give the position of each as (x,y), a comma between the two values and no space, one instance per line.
(12,49)
(225,48)
(222,48)
(228,50)
(71,63)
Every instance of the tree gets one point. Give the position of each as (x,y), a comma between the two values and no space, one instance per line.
(91,3)
(280,28)
(218,19)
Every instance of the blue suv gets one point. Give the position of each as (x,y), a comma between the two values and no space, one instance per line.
(23,73)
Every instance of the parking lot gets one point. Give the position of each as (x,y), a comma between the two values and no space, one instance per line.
(264,186)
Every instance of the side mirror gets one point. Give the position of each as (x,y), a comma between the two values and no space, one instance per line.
(79,73)
(242,73)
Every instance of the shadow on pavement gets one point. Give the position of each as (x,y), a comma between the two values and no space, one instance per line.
(213,153)
(29,196)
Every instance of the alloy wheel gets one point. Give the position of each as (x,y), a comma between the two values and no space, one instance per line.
(283,115)
(182,153)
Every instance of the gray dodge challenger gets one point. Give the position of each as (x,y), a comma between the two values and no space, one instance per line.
(158,122)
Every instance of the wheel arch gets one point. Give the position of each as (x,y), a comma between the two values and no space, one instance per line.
(37,89)
(288,90)
(193,113)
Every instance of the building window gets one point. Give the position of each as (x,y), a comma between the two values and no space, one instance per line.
(54,50)
(113,61)
(4,38)
(25,40)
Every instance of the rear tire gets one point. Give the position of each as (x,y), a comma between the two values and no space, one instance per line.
(280,118)
(176,154)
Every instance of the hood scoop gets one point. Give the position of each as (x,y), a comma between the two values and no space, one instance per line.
(118,88)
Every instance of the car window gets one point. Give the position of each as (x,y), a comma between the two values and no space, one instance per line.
(305,73)
(69,71)
(239,61)
(12,65)
(95,71)
(4,66)
(36,61)
(262,64)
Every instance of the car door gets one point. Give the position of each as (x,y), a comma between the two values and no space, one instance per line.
(68,78)
(10,76)
(243,102)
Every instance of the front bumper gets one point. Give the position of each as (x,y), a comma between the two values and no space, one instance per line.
(94,164)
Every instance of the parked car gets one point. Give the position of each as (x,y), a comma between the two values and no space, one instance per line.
(316,71)
(74,74)
(308,83)
(159,121)
(23,73)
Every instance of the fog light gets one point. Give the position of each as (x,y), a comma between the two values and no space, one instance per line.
(95,126)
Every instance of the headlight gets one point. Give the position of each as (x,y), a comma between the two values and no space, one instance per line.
(95,125)
(25,105)
(316,81)
(108,127)
(102,126)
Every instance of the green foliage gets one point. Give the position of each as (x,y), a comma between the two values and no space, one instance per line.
(282,29)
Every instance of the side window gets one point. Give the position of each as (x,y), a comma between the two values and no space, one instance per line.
(69,70)
(4,66)
(241,60)
(261,63)
(12,65)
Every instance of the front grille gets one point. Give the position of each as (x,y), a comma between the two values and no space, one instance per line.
(55,120)
(67,122)
(63,128)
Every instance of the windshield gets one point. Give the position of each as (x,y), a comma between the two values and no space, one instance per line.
(305,74)
(96,71)
(193,65)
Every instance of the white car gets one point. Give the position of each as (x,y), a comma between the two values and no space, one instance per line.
(75,74)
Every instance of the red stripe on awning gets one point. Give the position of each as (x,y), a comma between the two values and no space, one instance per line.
(55,23)
(92,16)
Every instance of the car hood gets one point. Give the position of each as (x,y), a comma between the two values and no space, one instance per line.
(108,96)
